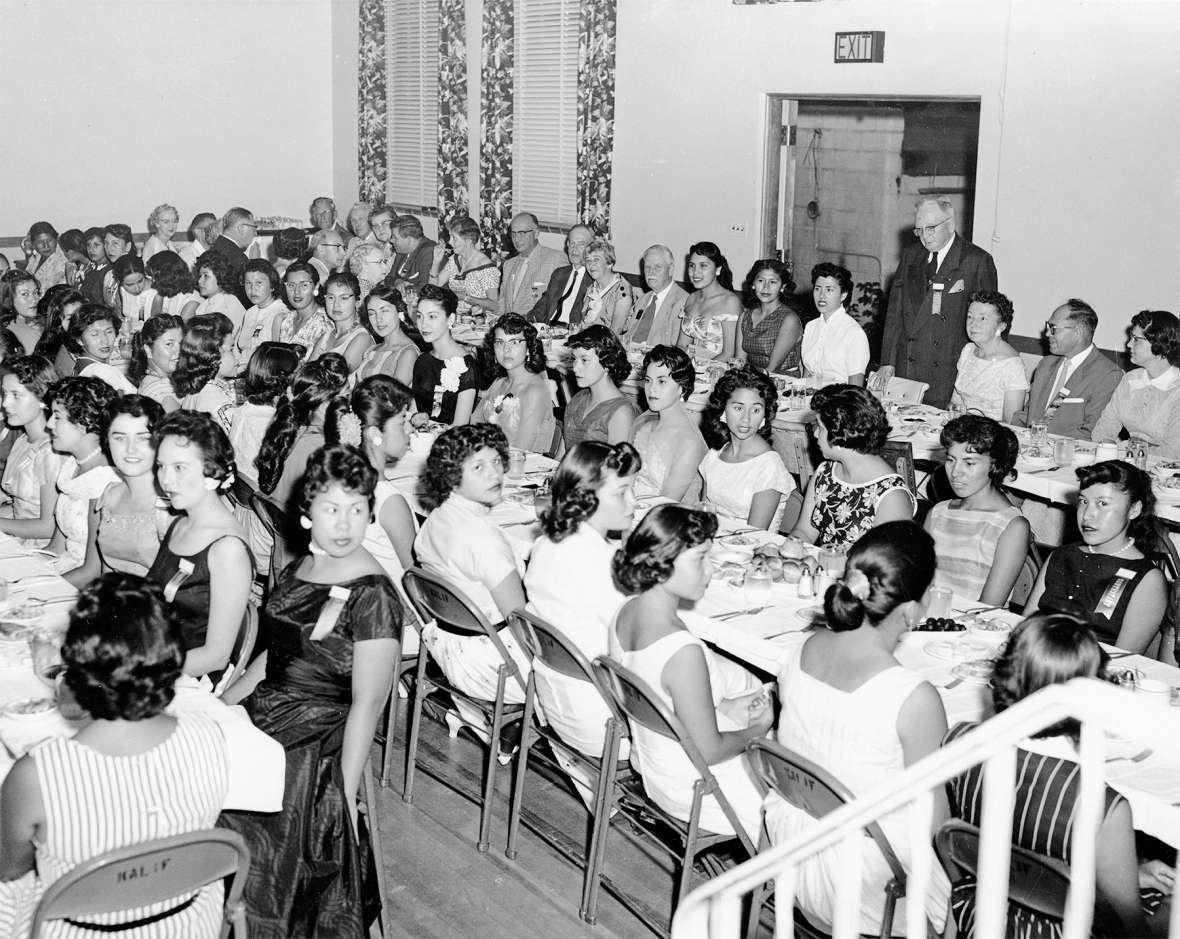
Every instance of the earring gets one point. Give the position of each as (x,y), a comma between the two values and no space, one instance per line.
(212,484)
(305,522)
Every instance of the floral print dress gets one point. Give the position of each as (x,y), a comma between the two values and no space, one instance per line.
(844,511)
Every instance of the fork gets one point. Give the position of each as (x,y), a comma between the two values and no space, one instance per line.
(1135,758)
(1047,469)
(953,683)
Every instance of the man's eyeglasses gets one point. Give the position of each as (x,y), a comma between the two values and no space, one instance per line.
(523,231)
(1053,329)
(507,343)
(928,230)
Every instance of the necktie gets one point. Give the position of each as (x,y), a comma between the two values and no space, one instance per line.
(931,267)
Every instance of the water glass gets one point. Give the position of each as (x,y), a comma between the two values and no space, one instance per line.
(45,646)
(940,602)
(1040,431)
(1063,450)
(515,463)
(757,589)
(954,409)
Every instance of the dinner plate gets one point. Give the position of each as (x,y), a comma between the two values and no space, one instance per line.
(1033,464)
(28,707)
(977,670)
(1166,495)
(810,615)
(955,650)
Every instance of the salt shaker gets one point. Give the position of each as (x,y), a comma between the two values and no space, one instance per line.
(806,583)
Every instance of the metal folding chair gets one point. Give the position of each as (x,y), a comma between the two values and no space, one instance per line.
(170,868)
(435,599)
(243,649)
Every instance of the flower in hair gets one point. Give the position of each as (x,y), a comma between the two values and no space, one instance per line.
(857,583)
(349,428)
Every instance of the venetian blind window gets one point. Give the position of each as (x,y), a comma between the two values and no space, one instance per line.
(545,106)
(411,30)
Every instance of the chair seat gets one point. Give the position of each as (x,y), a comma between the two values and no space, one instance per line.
(635,804)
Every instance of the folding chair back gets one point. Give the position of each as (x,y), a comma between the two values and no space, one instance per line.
(151,872)
(243,649)
(282,530)
(900,455)
(791,512)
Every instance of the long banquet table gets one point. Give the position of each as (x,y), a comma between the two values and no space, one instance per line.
(40,600)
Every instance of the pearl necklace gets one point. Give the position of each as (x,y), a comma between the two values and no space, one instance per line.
(1114,554)
(89,456)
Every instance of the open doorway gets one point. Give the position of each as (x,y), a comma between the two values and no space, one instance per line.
(842,177)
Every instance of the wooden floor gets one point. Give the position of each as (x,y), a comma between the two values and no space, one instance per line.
(440,887)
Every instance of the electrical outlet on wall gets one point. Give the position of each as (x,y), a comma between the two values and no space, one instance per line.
(738,229)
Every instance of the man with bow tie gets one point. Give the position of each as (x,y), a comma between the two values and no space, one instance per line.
(926,321)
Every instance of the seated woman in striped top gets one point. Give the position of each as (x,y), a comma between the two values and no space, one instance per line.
(981,537)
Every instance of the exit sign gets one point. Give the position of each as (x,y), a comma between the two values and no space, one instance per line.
(860,47)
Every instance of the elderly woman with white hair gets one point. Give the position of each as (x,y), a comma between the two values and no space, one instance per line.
(161,226)
(370,264)
(609,297)
(357,222)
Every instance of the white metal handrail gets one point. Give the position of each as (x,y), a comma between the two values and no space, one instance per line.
(713,910)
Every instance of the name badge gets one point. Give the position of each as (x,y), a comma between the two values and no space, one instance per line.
(1111,595)
(337,597)
(936,300)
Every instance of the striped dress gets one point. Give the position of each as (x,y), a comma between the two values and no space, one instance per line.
(95,803)
(966,542)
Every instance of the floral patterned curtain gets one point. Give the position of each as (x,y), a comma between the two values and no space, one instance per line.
(452,110)
(496,91)
(596,111)
(372,119)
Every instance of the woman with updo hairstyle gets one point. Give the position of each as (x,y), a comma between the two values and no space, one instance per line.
(1109,579)
(77,408)
(204,564)
(375,418)
(981,537)
(205,367)
(264,383)
(711,312)
(395,351)
(667,436)
(331,624)
(297,429)
(521,398)
(71,799)
(57,307)
(769,331)
(849,706)
(28,488)
(599,411)
(176,290)
(1044,650)
(744,477)
(664,563)
(305,320)
(47,261)
(853,489)
(155,357)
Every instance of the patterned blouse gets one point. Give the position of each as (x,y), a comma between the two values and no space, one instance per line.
(707,333)
(758,341)
(844,511)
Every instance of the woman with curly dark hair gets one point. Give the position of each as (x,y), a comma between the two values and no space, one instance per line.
(849,706)
(520,400)
(298,426)
(1109,579)
(215,284)
(664,563)
(204,564)
(57,307)
(745,478)
(445,377)
(305,320)
(667,436)
(349,334)
(262,287)
(94,331)
(982,538)
(175,288)
(853,489)
(205,367)
(835,348)
(332,622)
(76,409)
(28,488)
(19,295)
(990,379)
(600,411)
(1044,650)
(463,481)
(711,312)
(154,360)
(71,799)
(1146,402)
(769,331)
(396,351)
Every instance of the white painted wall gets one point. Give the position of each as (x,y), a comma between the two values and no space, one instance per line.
(1076,180)
(114,106)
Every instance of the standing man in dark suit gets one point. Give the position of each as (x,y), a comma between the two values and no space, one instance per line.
(238,230)
(563,302)
(926,322)
(1072,385)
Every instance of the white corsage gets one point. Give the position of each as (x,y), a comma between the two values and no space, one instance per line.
(455,369)
(349,429)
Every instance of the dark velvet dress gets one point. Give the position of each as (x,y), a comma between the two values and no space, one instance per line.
(1075,581)
(309,876)
(430,397)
